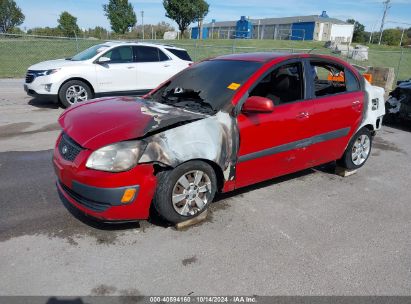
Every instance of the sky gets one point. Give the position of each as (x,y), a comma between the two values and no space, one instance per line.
(89,13)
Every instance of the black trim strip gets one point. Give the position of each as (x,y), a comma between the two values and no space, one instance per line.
(295,145)
(97,199)
(110,196)
(89,204)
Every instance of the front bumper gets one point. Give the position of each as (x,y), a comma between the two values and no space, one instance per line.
(33,93)
(98,194)
(95,198)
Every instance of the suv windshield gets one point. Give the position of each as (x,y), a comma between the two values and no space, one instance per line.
(207,86)
(89,53)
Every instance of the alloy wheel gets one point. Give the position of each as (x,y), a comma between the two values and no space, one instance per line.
(191,193)
(75,94)
(360,150)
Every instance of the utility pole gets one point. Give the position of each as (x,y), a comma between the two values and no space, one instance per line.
(142,21)
(386,8)
(402,35)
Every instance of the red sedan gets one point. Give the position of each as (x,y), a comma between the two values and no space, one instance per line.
(219,125)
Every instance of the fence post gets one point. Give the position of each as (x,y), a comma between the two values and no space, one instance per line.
(233,47)
(195,49)
(399,65)
(75,35)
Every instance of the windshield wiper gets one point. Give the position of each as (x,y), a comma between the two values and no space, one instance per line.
(69,58)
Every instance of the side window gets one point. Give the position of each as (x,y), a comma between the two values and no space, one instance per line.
(351,81)
(162,56)
(330,79)
(149,54)
(182,54)
(122,54)
(283,85)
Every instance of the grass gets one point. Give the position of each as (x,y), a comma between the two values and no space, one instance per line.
(16,55)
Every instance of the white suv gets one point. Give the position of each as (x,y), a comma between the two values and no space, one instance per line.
(111,68)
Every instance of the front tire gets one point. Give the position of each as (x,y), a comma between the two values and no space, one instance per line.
(358,150)
(73,92)
(185,192)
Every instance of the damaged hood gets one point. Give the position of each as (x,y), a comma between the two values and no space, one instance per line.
(101,122)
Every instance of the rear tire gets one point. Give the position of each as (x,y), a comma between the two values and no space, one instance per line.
(358,150)
(73,92)
(185,191)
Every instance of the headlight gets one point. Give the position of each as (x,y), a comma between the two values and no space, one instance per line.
(49,72)
(46,72)
(117,157)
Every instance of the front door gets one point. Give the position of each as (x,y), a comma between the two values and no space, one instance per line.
(274,144)
(120,73)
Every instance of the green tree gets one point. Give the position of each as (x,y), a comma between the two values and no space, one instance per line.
(359,31)
(97,32)
(391,36)
(68,25)
(183,12)
(15,30)
(10,15)
(121,15)
(45,31)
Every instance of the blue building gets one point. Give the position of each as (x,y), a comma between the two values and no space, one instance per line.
(195,33)
(314,27)
(244,28)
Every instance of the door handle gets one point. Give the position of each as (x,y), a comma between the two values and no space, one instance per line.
(166,65)
(303,115)
(130,67)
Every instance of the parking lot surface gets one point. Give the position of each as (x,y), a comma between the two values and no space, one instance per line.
(310,233)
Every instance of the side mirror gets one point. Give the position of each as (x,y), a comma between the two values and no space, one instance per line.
(257,104)
(103,60)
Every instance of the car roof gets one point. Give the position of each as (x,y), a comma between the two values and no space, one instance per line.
(116,43)
(255,57)
(269,56)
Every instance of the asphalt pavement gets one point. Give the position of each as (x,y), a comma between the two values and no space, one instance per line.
(310,233)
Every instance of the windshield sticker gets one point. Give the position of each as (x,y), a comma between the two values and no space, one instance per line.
(234,86)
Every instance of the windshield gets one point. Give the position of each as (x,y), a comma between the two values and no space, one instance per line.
(206,87)
(89,53)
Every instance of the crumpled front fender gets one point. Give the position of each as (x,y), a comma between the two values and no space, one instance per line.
(214,139)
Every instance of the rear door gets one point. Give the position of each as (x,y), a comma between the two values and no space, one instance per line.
(274,144)
(338,106)
(153,67)
(120,73)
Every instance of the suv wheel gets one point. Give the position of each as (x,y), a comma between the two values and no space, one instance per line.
(73,92)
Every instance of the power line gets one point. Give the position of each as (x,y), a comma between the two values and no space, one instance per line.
(386,8)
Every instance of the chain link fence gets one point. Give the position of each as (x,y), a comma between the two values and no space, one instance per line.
(18,52)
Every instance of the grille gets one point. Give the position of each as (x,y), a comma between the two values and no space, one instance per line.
(68,148)
(30,77)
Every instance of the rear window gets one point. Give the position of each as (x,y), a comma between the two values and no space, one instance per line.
(183,55)
(149,54)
